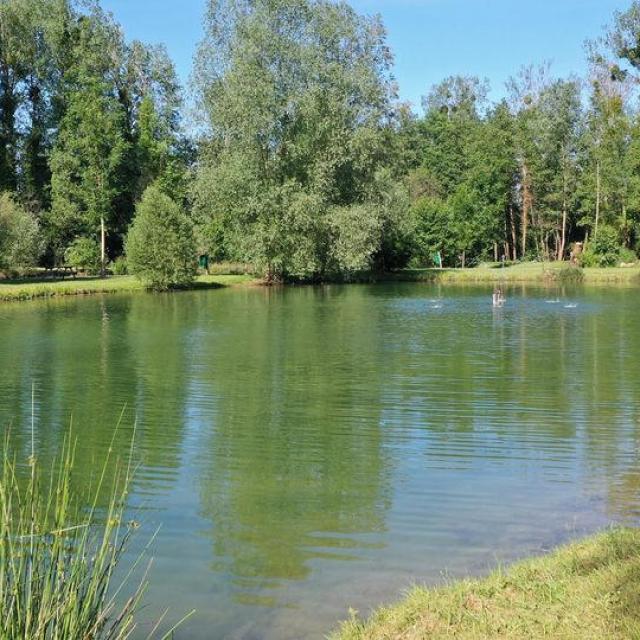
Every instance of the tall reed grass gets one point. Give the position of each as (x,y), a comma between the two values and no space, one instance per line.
(59,552)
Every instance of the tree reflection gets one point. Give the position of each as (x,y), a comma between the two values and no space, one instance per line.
(295,469)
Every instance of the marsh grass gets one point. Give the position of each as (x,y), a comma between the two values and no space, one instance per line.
(588,590)
(58,556)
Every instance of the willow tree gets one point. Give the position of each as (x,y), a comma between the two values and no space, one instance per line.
(297,96)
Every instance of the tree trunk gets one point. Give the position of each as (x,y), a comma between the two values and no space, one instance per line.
(526,206)
(563,240)
(595,231)
(8,107)
(464,258)
(495,252)
(514,235)
(103,247)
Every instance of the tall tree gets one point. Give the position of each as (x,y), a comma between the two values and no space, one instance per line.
(297,95)
(525,90)
(557,134)
(455,217)
(606,173)
(85,164)
(90,143)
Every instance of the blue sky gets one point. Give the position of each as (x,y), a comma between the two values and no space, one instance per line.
(431,39)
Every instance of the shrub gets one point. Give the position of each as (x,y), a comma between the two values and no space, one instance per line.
(20,243)
(83,254)
(627,256)
(160,245)
(604,251)
(119,266)
(589,259)
(569,274)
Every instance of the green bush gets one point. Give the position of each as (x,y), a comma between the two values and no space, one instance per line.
(627,256)
(568,274)
(119,266)
(604,251)
(160,245)
(83,254)
(20,242)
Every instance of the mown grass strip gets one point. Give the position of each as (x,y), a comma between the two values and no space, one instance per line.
(528,272)
(12,291)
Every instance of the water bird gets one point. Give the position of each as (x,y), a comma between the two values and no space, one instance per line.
(556,301)
(498,297)
(571,305)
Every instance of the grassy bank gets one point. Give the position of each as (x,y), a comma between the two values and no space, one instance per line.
(43,288)
(534,272)
(587,590)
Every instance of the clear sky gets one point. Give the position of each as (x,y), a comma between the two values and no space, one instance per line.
(431,39)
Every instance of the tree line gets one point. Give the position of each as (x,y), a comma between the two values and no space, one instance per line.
(301,158)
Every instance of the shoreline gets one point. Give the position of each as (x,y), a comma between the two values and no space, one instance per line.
(587,589)
(546,274)
(550,274)
(27,290)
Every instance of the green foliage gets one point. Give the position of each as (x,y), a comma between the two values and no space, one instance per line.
(627,256)
(433,223)
(20,238)
(86,160)
(297,95)
(87,120)
(160,246)
(605,249)
(119,266)
(353,238)
(84,255)
(567,274)
(302,132)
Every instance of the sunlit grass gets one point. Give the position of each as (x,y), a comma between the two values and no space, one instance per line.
(589,590)
(534,272)
(26,290)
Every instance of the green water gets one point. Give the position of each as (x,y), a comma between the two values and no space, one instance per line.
(307,450)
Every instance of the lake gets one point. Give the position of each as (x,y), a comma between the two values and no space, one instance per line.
(307,450)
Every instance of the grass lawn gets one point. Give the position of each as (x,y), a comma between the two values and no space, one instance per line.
(524,272)
(589,590)
(44,288)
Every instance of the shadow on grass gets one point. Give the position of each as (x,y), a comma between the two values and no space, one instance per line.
(50,280)
(200,286)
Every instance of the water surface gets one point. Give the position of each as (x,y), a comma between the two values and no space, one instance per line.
(307,450)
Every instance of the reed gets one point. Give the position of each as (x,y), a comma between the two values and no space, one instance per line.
(58,556)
